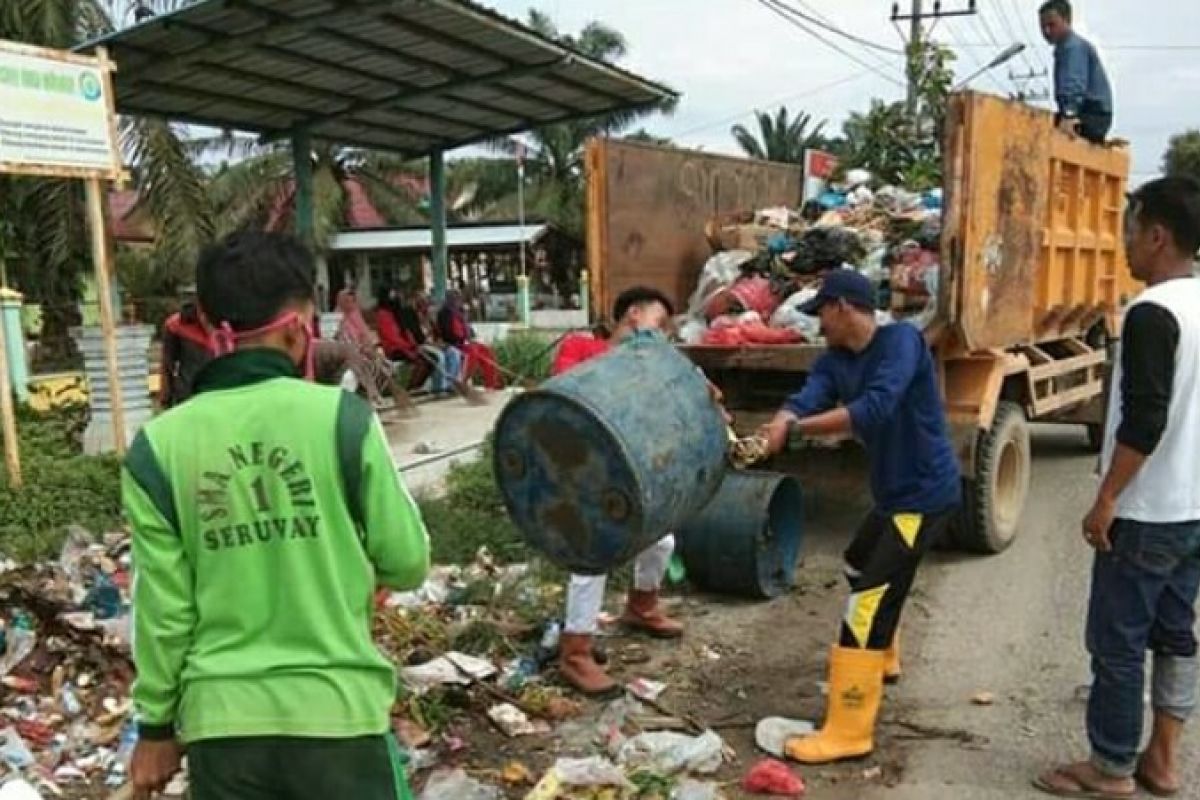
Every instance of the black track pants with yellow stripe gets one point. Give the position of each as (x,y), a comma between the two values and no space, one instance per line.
(881,564)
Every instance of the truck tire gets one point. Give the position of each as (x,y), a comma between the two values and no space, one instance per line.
(995,500)
(1095,437)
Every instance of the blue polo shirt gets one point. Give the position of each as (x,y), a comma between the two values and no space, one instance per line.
(891,392)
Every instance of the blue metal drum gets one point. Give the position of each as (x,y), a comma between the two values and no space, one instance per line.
(746,541)
(599,463)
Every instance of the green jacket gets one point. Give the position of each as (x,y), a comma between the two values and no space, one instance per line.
(264,511)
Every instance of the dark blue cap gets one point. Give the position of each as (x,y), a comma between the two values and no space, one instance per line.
(842,284)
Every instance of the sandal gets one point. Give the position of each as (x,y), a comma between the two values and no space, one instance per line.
(1063,782)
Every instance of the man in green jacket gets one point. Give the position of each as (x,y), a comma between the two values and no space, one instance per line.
(264,512)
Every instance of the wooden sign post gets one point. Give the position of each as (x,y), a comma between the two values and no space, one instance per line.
(58,120)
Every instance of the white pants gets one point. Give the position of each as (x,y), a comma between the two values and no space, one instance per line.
(585,593)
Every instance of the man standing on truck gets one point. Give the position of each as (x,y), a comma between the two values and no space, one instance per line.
(1145,522)
(1081,88)
(879,384)
(640,311)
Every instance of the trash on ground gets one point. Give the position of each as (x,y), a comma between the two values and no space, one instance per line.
(983,698)
(457,785)
(774,778)
(646,689)
(872,773)
(696,790)
(458,669)
(513,722)
(669,752)
(516,774)
(772,733)
(19,790)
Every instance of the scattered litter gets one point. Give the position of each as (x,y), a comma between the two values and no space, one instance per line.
(872,773)
(19,790)
(412,735)
(13,751)
(696,790)
(646,689)
(709,654)
(427,448)
(669,752)
(516,774)
(452,669)
(457,785)
(774,778)
(772,733)
(511,720)
(983,699)
(594,771)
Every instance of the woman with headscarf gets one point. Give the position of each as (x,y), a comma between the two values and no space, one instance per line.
(371,371)
(455,330)
(413,316)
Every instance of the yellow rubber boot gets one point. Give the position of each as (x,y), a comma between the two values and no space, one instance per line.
(855,692)
(891,661)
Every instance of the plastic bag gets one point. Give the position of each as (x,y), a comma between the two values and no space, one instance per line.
(774,778)
(789,316)
(748,334)
(695,790)
(668,752)
(718,273)
(457,785)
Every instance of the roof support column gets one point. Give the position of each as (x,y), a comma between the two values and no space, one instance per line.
(437,222)
(303,175)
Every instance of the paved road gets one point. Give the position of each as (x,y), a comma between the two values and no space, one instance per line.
(1010,625)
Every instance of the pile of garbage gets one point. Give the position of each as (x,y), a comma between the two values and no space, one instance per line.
(768,263)
(67,727)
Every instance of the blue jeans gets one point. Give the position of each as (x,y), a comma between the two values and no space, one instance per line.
(1143,598)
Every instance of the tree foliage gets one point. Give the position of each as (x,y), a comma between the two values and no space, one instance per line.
(781,137)
(1183,154)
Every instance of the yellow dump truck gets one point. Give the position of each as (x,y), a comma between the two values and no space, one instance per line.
(1033,281)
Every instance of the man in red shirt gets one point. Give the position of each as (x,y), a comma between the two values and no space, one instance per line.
(638,310)
(185,349)
(576,348)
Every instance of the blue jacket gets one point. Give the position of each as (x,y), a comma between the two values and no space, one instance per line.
(1079,78)
(891,392)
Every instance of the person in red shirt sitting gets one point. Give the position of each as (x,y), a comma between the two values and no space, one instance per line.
(454,329)
(397,343)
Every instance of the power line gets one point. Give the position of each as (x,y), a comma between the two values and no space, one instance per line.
(1106,46)
(982,24)
(1027,24)
(1013,33)
(778,101)
(836,30)
(867,52)
(782,12)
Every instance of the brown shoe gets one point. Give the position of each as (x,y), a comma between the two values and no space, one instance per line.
(642,613)
(579,668)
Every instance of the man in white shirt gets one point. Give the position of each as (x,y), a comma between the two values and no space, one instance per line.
(1145,522)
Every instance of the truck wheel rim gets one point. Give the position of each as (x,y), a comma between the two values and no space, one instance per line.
(1010,483)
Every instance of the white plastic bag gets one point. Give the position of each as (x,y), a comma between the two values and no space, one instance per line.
(457,785)
(668,752)
(719,272)
(789,316)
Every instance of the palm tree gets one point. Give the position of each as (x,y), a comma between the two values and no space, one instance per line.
(780,138)
(49,243)
(258,189)
(554,162)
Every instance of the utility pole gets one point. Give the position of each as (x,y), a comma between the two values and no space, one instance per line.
(916,62)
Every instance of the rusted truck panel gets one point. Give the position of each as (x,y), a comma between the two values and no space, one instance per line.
(1032,229)
(647,206)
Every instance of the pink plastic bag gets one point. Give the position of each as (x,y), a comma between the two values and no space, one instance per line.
(773,778)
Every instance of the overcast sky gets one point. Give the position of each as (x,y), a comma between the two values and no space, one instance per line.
(729,57)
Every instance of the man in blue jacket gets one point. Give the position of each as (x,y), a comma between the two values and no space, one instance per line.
(1081,88)
(879,384)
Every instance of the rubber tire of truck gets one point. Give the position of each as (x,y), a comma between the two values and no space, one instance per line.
(1095,437)
(994,501)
